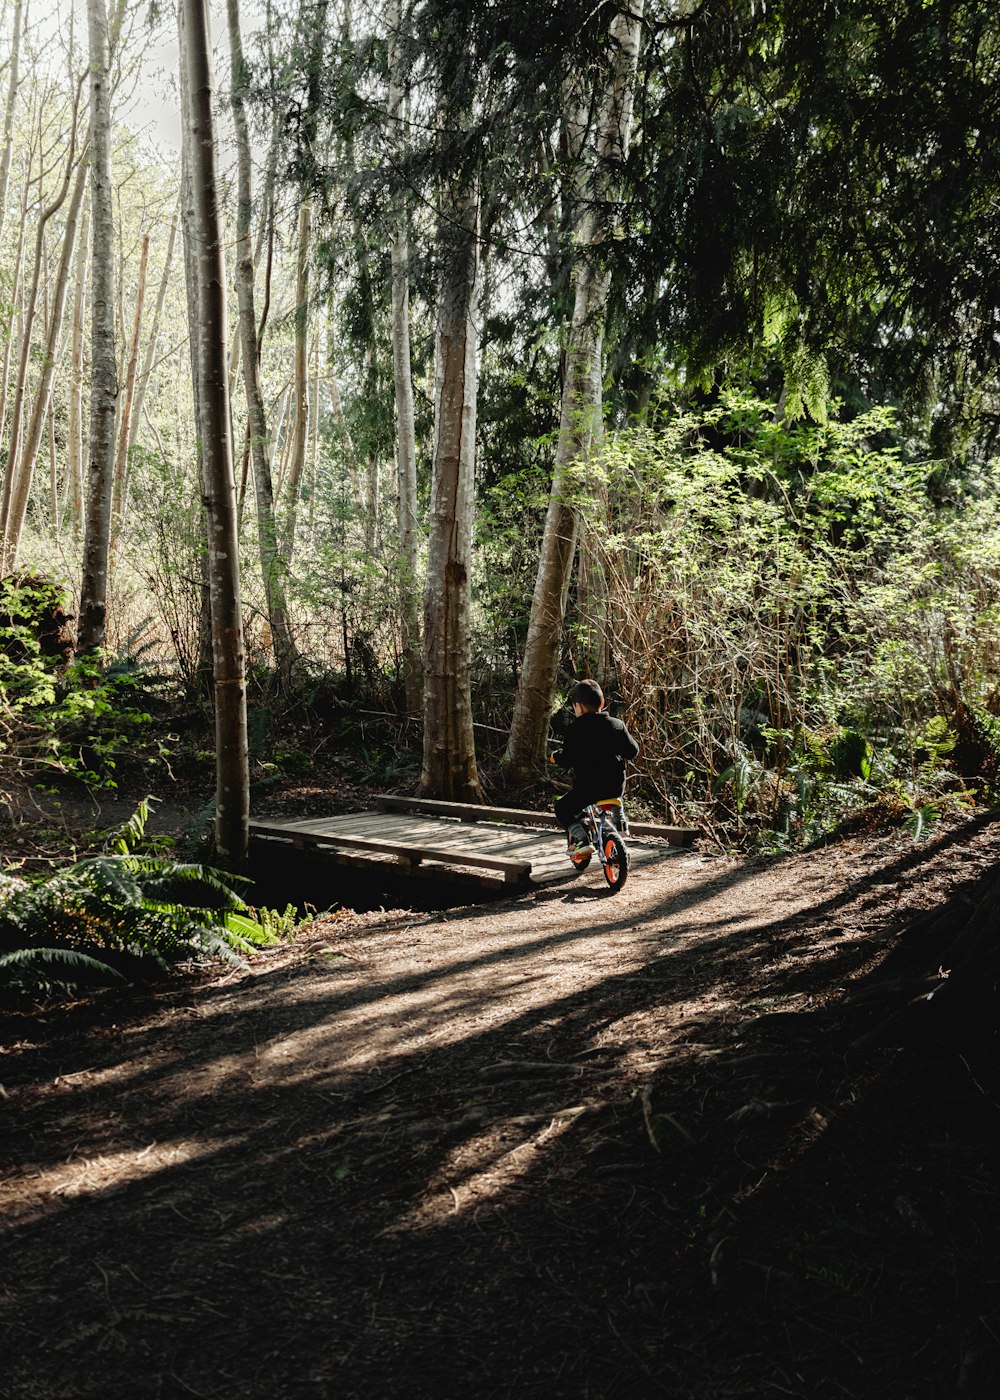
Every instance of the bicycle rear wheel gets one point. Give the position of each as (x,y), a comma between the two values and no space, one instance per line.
(615,861)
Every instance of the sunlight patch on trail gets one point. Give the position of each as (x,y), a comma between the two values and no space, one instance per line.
(436,1006)
(474,1174)
(89,1177)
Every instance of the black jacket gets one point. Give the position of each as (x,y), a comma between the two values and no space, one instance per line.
(596,747)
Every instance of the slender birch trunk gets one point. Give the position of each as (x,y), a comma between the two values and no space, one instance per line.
(149,355)
(372,488)
(300,388)
(449,753)
(267,232)
(74,446)
(103,368)
(23,448)
(202,673)
(24,462)
(13,82)
(50,420)
(314,426)
(579,420)
(271,564)
(16,302)
(125,417)
(218,486)
(283,446)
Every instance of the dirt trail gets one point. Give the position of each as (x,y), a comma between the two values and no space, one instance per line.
(566,1145)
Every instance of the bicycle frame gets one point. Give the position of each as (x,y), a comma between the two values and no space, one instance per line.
(597,820)
(607,836)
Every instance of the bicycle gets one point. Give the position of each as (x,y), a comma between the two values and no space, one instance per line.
(606,826)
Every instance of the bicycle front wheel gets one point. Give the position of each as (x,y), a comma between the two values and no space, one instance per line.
(615,861)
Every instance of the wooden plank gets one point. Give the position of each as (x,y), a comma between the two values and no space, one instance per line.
(466,812)
(298,832)
(408,830)
(430,847)
(675,835)
(358,860)
(411,831)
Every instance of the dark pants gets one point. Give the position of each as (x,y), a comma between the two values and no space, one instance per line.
(571,804)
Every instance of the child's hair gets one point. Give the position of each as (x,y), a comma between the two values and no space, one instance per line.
(588,694)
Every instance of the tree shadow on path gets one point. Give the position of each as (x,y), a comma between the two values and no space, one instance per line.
(557,1147)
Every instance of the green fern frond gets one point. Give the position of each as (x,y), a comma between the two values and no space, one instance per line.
(108,876)
(252,933)
(126,838)
(213,943)
(145,907)
(79,962)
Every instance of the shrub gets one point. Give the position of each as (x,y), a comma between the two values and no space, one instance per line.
(786,610)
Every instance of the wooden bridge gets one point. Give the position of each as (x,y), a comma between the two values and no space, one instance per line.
(489,847)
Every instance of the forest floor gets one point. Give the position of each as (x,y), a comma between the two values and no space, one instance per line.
(564,1145)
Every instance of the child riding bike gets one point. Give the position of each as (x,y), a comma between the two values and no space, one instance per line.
(596,748)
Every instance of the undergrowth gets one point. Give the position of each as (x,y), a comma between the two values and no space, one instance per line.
(123,914)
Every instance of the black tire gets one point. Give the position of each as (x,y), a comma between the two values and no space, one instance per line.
(616,860)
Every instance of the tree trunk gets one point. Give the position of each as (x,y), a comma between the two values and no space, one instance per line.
(408,560)
(22,463)
(23,449)
(125,417)
(449,755)
(103,369)
(580,417)
(232,790)
(267,538)
(149,356)
(13,81)
(300,391)
(314,427)
(9,336)
(74,449)
(202,672)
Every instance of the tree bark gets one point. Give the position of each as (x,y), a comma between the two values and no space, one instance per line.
(103,369)
(300,390)
(232,791)
(449,755)
(271,564)
(24,448)
(202,672)
(13,81)
(21,467)
(579,419)
(9,336)
(408,558)
(125,418)
(74,447)
(149,355)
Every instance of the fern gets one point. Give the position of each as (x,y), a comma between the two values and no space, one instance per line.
(131,906)
(26,971)
(27,957)
(127,837)
(127,906)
